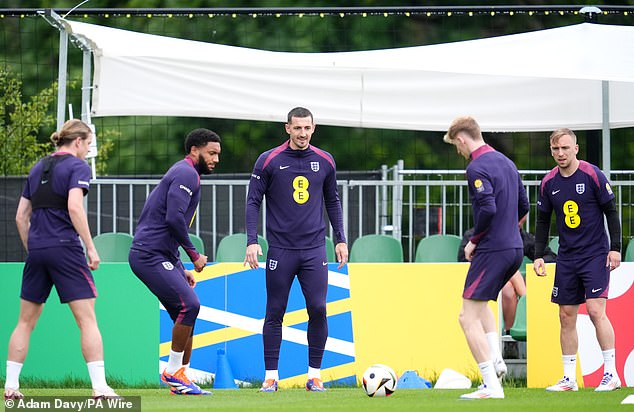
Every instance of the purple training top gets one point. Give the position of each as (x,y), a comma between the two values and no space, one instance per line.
(51,227)
(498,198)
(168,213)
(297,185)
(577,201)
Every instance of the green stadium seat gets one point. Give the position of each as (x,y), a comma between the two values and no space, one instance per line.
(375,249)
(554,244)
(232,248)
(629,252)
(198,244)
(438,248)
(330,250)
(113,247)
(518,330)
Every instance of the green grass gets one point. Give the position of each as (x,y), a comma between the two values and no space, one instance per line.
(354,399)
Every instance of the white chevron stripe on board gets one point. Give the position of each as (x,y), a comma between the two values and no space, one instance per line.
(253,325)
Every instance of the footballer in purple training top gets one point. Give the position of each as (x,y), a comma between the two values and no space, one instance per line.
(298,181)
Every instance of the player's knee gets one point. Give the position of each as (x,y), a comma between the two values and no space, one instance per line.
(317,310)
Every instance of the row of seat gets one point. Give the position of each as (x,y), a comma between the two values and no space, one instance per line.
(114,247)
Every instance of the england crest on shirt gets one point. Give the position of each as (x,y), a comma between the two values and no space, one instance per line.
(168,265)
(272,264)
(581,187)
(314,166)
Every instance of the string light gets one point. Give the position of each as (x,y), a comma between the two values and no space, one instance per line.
(385,14)
(301,15)
(470,14)
(364,14)
(511,13)
(211,16)
(255,15)
(449,14)
(149,16)
(407,14)
(546,13)
(492,13)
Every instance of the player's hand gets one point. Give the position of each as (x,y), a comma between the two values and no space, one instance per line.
(614,260)
(93,258)
(190,278)
(469,250)
(251,257)
(539,267)
(200,263)
(341,252)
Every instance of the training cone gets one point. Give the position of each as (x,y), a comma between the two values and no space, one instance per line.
(629,400)
(450,379)
(411,380)
(224,376)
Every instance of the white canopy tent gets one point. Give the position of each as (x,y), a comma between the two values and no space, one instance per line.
(580,76)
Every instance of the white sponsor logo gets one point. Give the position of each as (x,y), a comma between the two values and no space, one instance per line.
(555,291)
(44,182)
(272,264)
(284,167)
(324,263)
(554,192)
(581,187)
(168,265)
(83,182)
(255,176)
(185,188)
(596,290)
(314,166)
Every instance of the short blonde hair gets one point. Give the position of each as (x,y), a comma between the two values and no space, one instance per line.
(466,124)
(559,133)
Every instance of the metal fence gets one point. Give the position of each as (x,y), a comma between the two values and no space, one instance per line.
(406,204)
(406,209)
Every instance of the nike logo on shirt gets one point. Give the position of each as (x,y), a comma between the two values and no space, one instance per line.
(284,167)
(596,290)
(554,192)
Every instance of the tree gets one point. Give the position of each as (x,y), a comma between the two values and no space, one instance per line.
(20,123)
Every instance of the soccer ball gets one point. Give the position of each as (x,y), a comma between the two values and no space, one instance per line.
(379,380)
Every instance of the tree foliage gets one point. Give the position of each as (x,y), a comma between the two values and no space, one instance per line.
(20,123)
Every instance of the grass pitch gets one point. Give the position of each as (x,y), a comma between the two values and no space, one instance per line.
(354,399)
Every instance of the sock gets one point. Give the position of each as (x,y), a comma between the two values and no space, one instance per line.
(570,367)
(609,361)
(494,346)
(314,373)
(97,372)
(489,377)
(272,374)
(13,375)
(174,362)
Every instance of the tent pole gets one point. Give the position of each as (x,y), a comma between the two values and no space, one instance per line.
(605,89)
(61,78)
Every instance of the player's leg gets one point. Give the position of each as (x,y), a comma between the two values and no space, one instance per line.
(568,294)
(596,279)
(471,318)
(487,275)
(91,345)
(168,282)
(19,346)
(281,267)
(313,278)
(514,288)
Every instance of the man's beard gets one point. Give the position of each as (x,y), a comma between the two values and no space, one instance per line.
(202,167)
